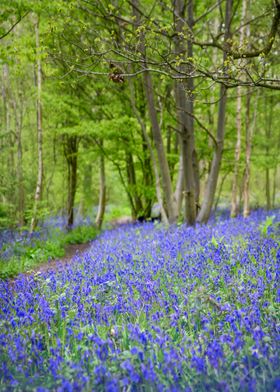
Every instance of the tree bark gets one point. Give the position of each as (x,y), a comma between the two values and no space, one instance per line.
(10,162)
(39,185)
(267,189)
(136,206)
(234,203)
(220,191)
(211,185)
(269,112)
(179,187)
(19,168)
(185,106)
(87,187)
(71,153)
(157,136)
(250,125)
(162,159)
(102,193)
(275,171)
(152,155)
(274,186)
(147,179)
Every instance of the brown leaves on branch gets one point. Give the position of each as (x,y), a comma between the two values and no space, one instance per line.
(116,74)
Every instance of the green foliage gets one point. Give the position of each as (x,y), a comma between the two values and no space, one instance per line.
(25,257)
(4,215)
(116,212)
(266,225)
(80,235)
(270,228)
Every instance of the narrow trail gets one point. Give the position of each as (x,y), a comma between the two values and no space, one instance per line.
(71,250)
(56,264)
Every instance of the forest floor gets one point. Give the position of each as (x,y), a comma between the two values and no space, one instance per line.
(70,251)
(150,306)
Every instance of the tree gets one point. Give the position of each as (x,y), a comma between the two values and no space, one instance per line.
(39,185)
(209,194)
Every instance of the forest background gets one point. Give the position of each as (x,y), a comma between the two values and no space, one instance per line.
(119,105)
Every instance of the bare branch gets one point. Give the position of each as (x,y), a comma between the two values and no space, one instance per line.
(14,25)
(250,54)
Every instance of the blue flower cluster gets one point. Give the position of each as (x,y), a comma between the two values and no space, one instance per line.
(150,308)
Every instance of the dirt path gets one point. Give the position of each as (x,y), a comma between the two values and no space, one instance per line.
(70,252)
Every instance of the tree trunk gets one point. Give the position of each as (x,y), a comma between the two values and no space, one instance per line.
(71,153)
(179,187)
(269,112)
(157,136)
(147,179)
(220,191)
(18,130)
(234,203)
(211,185)
(39,186)
(137,208)
(162,159)
(10,162)
(275,171)
(267,189)
(102,193)
(274,186)
(185,106)
(250,125)
(152,155)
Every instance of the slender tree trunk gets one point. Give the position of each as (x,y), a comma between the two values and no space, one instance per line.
(274,186)
(267,189)
(49,182)
(269,112)
(220,191)
(102,193)
(87,188)
(179,187)
(18,130)
(275,173)
(162,159)
(234,203)
(250,125)
(185,106)
(196,180)
(211,185)
(10,167)
(157,136)
(71,153)
(39,186)
(152,154)
(147,179)
(132,184)
(171,161)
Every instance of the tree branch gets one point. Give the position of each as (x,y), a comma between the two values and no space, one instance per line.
(265,50)
(13,26)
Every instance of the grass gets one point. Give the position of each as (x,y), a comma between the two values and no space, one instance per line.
(27,256)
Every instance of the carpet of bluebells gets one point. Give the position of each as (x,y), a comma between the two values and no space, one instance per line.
(150,308)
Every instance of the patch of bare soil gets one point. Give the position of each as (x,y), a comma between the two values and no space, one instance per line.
(70,252)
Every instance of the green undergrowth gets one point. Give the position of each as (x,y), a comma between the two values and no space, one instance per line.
(26,257)
(80,235)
